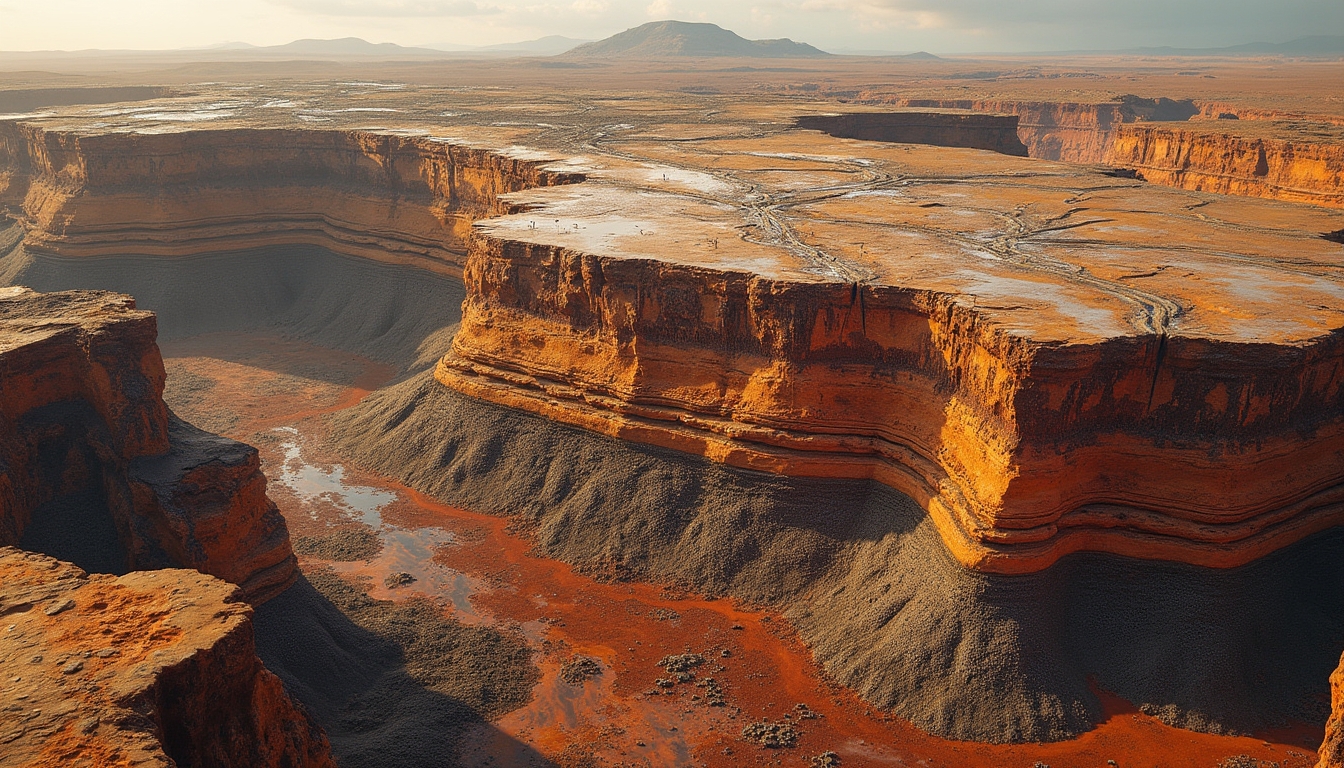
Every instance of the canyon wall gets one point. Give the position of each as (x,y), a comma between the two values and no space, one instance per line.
(152,669)
(14,100)
(997,133)
(1021,451)
(1144,135)
(400,199)
(1183,156)
(84,431)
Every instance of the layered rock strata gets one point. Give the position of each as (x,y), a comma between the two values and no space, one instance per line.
(83,425)
(1143,135)
(154,668)
(1181,156)
(400,199)
(997,133)
(1038,398)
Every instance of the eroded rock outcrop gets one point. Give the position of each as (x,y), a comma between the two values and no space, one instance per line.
(1031,420)
(1157,138)
(83,425)
(399,199)
(997,133)
(1223,162)
(153,668)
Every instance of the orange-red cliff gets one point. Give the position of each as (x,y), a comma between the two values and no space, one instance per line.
(386,197)
(148,670)
(1260,154)
(81,412)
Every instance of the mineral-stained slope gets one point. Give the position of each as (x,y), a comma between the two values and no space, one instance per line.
(153,668)
(90,449)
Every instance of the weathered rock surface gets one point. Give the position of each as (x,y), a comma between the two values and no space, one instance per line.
(153,668)
(1332,748)
(400,199)
(997,133)
(1227,163)
(1269,156)
(1039,392)
(82,417)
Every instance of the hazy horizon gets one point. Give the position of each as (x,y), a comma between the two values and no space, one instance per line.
(949,26)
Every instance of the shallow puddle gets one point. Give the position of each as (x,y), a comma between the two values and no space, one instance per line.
(748,664)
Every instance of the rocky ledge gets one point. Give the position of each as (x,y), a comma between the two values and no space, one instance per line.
(95,463)
(154,668)
(1048,359)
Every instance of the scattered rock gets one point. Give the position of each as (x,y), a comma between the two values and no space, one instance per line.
(579,670)
(401,579)
(58,606)
(683,662)
(772,735)
(664,614)
(72,667)
(713,692)
(805,712)
(826,760)
(342,545)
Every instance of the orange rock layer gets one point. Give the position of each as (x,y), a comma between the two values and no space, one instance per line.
(81,408)
(1185,157)
(1147,446)
(398,199)
(154,668)
(1140,134)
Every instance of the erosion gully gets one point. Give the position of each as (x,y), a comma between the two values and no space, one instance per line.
(273,393)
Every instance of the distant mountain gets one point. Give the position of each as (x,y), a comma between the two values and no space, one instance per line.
(542,46)
(345,46)
(680,38)
(1316,45)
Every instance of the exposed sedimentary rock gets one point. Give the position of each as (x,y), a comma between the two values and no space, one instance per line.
(392,198)
(24,99)
(89,448)
(997,133)
(1332,747)
(1036,398)
(1144,135)
(1226,163)
(151,668)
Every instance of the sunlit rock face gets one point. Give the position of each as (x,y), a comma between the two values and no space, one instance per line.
(1269,154)
(153,668)
(398,199)
(97,465)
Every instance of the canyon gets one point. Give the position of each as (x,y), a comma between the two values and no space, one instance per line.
(1000,437)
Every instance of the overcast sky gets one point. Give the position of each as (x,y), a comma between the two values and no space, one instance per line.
(903,25)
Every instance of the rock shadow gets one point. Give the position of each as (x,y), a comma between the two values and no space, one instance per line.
(393,685)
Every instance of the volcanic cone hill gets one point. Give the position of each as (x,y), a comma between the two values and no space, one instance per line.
(689,39)
(986,428)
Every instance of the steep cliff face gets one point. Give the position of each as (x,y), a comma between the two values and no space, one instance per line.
(1332,748)
(997,133)
(1228,164)
(83,424)
(1208,157)
(148,669)
(392,198)
(1021,451)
